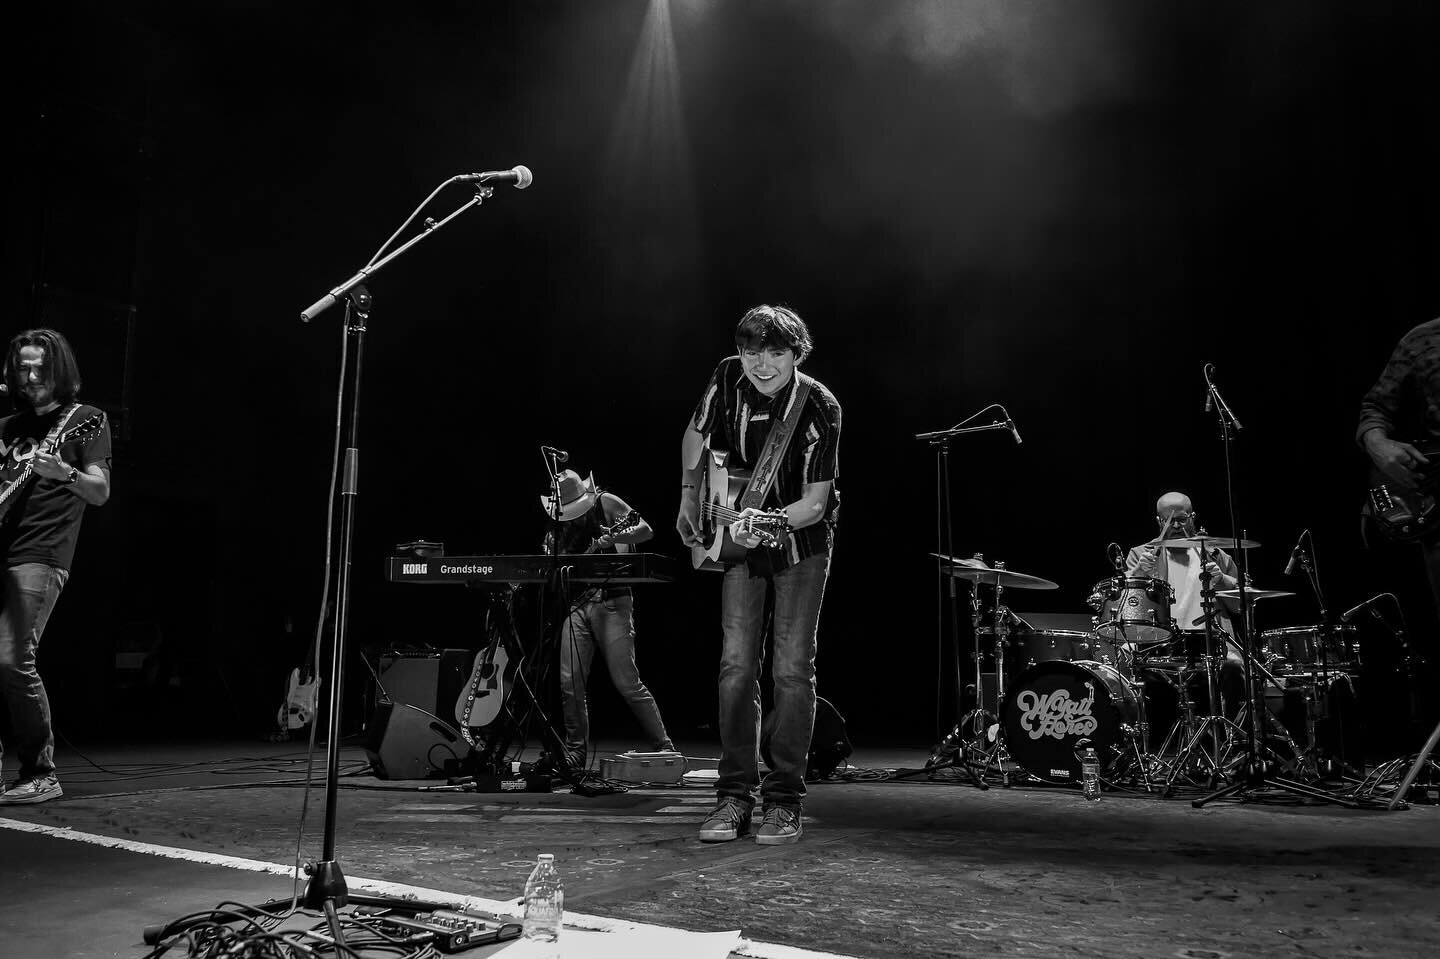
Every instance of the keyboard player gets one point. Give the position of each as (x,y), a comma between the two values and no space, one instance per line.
(592,520)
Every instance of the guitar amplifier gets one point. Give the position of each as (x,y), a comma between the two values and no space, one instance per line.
(428,678)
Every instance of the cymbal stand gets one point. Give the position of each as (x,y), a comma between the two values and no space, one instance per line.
(946,592)
(1254,773)
(1215,725)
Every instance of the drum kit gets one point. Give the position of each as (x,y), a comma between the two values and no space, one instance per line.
(1143,691)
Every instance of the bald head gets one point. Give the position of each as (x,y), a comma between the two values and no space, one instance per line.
(1177,509)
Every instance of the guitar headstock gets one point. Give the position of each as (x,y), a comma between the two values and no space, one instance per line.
(772,527)
(83,430)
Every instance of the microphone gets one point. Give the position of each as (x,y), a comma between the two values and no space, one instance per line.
(1209,390)
(1013,431)
(520,176)
(1350,614)
(1116,555)
(560,455)
(1296,553)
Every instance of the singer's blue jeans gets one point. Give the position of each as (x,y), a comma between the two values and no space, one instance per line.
(30,592)
(799,591)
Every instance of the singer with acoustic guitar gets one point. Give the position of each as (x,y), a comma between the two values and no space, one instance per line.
(54,462)
(760,414)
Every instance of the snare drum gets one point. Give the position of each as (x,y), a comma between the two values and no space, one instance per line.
(1308,645)
(1135,609)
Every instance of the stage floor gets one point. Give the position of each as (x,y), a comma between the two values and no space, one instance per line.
(886,869)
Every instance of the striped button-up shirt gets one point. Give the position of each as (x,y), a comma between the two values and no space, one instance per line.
(734,416)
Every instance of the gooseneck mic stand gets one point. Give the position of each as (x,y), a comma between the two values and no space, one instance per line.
(1255,774)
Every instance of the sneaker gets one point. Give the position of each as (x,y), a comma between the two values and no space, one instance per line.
(729,821)
(779,825)
(39,789)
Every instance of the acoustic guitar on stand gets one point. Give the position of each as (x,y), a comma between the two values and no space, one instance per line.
(721,487)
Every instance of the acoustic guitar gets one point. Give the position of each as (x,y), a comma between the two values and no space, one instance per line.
(721,486)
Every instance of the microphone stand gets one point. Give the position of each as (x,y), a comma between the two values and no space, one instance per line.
(944,545)
(1255,774)
(325,889)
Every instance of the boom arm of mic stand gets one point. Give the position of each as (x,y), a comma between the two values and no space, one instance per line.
(330,299)
(940,435)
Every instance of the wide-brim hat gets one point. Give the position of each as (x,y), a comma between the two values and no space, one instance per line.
(577,496)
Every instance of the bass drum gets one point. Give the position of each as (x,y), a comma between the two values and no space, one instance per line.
(1052,706)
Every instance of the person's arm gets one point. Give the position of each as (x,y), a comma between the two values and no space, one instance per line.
(1380,410)
(1140,561)
(617,509)
(809,509)
(92,482)
(1223,571)
(692,447)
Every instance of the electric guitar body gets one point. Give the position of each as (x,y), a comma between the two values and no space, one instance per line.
(1406,514)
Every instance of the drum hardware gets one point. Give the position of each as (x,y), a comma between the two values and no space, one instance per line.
(1221,731)
(977,738)
(1251,773)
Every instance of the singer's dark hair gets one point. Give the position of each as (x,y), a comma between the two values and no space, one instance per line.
(774,326)
(59,365)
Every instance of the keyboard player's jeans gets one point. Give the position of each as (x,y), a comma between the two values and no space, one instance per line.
(607,624)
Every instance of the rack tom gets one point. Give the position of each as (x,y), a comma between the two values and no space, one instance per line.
(1134,610)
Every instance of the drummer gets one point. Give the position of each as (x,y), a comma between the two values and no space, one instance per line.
(1180,566)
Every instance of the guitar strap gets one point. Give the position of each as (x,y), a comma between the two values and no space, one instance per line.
(768,465)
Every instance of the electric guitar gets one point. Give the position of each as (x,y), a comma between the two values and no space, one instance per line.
(721,487)
(82,430)
(482,698)
(1406,514)
(302,697)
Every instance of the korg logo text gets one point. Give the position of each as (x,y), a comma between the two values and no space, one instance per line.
(412,569)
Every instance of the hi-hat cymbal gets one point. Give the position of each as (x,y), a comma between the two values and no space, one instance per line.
(1253,594)
(1203,542)
(976,571)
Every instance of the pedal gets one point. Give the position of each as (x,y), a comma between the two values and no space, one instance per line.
(450,931)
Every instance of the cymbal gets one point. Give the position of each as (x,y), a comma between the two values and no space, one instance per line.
(1253,594)
(1203,542)
(978,572)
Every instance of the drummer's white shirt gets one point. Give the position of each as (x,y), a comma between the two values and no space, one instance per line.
(1183,571)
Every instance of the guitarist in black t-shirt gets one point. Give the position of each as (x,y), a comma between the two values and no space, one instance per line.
(54,462)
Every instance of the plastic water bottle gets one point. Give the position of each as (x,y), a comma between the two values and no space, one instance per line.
(1090,774)
(544,904)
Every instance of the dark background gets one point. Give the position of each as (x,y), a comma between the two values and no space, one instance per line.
(1064,208)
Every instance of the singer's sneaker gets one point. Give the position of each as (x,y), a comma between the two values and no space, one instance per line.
(780,825)
(730,820)
(38,789)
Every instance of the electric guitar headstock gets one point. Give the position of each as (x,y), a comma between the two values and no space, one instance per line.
(624,524)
